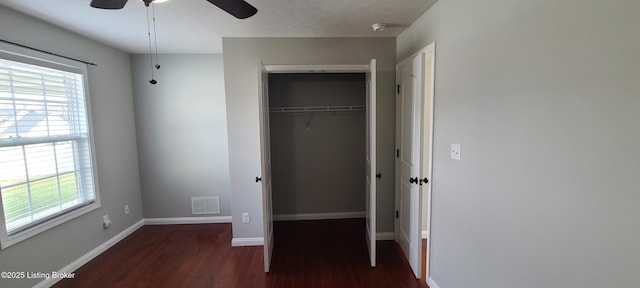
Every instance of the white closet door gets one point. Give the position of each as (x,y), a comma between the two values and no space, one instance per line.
(267,210)
(371,162)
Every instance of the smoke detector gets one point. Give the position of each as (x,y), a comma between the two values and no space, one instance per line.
(378,27)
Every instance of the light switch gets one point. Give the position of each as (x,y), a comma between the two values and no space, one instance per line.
(455,151)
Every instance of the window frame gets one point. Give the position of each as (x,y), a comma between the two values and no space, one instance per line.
(26,56)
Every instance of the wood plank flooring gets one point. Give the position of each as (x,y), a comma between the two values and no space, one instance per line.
(327,253)
(424,262)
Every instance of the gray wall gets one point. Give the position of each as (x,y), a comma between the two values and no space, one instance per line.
(241,61)
(182,133)
(318,158)
(544,98)
(115,148)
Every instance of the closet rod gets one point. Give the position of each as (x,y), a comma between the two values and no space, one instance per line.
(317,109)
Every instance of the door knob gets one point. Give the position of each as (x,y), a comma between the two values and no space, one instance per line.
(424,181)
(379,175)
(258,179)
(413,180)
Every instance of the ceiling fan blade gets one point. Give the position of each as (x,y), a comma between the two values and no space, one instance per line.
(238,8)
(108,4)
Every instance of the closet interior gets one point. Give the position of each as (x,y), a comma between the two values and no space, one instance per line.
(318,130)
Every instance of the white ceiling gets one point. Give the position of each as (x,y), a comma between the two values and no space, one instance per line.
(196,26)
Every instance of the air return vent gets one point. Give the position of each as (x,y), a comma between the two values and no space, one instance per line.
(205,205)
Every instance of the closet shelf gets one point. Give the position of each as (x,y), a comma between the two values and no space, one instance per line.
(317,109)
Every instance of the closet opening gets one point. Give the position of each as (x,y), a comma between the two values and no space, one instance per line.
(317,124)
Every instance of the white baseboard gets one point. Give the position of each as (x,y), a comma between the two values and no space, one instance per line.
(84,259)
(432,283)
(319,216)
(425,234)
(187,220)
(251,241)
(385,236)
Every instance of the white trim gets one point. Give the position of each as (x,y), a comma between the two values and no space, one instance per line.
(428,48)
(385,236)
(187,220)
(84,259)
(249,241)
(319,216)
(425,234)
(432,283)
(316,68)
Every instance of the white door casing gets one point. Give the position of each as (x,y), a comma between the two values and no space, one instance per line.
(265,151)
(371,162)
(371,150)
(409,134)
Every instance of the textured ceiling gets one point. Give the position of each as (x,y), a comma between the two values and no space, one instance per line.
(196,26)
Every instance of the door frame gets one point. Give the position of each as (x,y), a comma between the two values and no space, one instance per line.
(317,68)
(365,68)
(431,48)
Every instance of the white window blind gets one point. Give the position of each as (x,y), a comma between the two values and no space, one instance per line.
(45,149)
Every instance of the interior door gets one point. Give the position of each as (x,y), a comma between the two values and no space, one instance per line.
(265,151)
(371,162)
(409,117)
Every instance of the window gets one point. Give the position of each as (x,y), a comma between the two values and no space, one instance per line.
(46,171)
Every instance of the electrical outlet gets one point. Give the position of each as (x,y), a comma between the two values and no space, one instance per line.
(126,209)
(245,217)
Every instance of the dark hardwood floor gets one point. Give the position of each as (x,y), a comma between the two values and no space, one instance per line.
(424,261)
(327,253)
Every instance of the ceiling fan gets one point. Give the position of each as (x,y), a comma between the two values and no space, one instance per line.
(238,8)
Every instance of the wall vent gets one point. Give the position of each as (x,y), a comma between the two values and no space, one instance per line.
(205,205)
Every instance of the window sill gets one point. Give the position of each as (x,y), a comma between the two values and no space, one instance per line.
(7,241)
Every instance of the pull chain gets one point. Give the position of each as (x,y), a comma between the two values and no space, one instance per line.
(155,33)
(152,81)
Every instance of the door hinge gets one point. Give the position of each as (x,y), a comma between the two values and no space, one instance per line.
(397,153)
(398,88)
(397,214)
